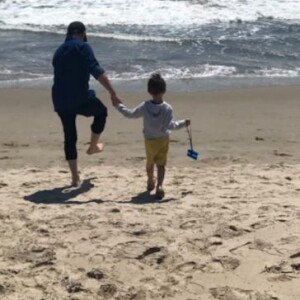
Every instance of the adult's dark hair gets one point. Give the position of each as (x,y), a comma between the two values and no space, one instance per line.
(156,84)
(75,28)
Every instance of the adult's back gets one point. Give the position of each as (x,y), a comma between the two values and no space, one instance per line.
(73,63)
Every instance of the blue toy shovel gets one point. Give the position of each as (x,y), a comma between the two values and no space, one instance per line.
(191,152)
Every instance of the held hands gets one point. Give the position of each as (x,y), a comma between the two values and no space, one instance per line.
(187,122)
(115,100)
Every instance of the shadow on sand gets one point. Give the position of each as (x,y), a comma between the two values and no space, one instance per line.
(147,198)
(62,195)
(66,194)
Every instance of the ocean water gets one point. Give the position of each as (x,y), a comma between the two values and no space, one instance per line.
(194,44)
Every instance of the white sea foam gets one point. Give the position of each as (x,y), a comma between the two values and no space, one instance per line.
(51,13)
(205,71)
(276,72)
(196,72)
(20,73)
(201,71)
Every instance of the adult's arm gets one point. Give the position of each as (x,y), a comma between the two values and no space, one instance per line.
(97,71)
(104,81)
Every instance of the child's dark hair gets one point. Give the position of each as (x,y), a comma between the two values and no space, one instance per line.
(156,84)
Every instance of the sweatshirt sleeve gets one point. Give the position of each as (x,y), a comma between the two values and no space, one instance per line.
(136,112)
(172,124)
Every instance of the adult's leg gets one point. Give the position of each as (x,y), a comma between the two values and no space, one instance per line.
(74,171)
(70,136)
(94,107)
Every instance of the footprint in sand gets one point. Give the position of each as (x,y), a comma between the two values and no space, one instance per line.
(35,171)
(4,157)
(130,249)
(280,268)
(281,278)
(154,256)
(30,184)
(5,288)
(38,256)
(3,184)
(226,231)
(107,290)
(187,267)
(75,287)
(229,293)
(296,267)
(188,224)
(295,255)
(205,245)
(261,245)
(284,270)
(42,257)
(136,158)
(133,294)
(221,264)
(95,274)
(43,231)
(185,193)
(260,224)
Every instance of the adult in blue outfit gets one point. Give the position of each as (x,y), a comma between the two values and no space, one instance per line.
(74,61)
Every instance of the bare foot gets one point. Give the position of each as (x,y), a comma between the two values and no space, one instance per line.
(160,193)
(96,149)
(76,182)
(151,184)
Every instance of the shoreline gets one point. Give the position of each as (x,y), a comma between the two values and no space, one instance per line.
(206,84)
(253,125)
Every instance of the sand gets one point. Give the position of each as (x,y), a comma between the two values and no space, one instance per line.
(228,228)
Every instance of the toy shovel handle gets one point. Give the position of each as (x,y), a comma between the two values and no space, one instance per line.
(189,131)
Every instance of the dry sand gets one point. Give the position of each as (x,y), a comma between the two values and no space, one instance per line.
(228,228)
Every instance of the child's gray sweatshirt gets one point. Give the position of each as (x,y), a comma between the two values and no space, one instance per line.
(158,118)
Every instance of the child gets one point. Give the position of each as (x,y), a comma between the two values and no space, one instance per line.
(158,121)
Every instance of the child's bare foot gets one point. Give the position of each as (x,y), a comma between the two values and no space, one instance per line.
(151,184)
(160,193)
(95,149)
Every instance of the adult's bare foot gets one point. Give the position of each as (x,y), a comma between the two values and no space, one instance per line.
(95,149)
(76,182)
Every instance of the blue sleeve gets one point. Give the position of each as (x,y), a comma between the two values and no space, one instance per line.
(93,65)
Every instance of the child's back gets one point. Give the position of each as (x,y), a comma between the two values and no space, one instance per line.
(158,122)
(158,118)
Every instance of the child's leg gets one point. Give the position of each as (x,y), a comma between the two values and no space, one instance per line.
(160,193)
(150,174)
(161,170)
(150,165)
(161,161)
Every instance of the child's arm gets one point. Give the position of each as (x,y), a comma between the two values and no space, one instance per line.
(175,124)
(136,112)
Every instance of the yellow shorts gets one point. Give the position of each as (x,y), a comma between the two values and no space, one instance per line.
(157,151)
